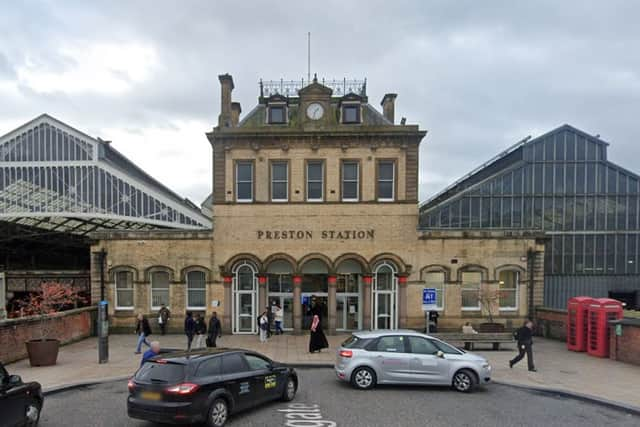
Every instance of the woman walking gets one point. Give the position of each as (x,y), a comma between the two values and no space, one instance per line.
(264,326)
(317,340)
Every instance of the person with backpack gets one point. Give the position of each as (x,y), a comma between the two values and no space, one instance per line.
(524,337)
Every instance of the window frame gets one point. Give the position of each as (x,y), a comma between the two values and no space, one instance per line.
(278,106)
(309,162)
(441,291)
(237,165)
(129,289)
(351,105)
(358,180)
(272,163)
(167,289)
(515,290)
(394,180)
(186,278)
(477,307)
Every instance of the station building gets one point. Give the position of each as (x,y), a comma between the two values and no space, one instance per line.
(315,195)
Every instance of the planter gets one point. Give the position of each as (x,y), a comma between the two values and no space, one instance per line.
(43,352)
(490,327)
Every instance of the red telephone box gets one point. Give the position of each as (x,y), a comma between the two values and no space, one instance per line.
(601,310)
(577,315)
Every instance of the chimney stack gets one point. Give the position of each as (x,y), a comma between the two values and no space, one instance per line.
(388,106)
(226,86)
(235,113)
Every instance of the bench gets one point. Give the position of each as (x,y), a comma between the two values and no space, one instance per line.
(495,338)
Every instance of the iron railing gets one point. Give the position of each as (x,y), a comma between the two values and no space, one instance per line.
(291,87)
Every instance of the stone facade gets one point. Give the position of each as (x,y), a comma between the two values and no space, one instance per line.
(315,247)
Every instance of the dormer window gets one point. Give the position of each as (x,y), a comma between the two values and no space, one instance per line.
(277,114)
(351,113)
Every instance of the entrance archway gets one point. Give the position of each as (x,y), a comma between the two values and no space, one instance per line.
(245,298)
(349,295)
(280,289)
(385,296)
(315,291)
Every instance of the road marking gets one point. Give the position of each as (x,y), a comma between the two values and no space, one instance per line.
(304,415)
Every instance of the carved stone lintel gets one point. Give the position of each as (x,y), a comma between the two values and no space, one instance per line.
(255,146)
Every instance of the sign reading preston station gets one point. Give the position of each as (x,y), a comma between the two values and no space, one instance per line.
(309,235)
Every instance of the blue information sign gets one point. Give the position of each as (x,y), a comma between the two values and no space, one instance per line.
(429,297)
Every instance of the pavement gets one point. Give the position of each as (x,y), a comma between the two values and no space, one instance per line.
(324,401)
(559,370)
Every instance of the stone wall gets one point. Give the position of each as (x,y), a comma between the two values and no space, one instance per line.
(626,348)
(551,323)
(68,326)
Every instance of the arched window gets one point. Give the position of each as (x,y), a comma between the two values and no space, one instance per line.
(124,290)
(196,290)
(159,289)
(385,296)
(245,298)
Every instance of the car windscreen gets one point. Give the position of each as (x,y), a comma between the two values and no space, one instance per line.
(153,372)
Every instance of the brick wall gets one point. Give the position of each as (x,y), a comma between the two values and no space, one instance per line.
(68,326)
(551,323)
(626,348)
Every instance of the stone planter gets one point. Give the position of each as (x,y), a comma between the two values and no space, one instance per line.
(43,352)
(490,327)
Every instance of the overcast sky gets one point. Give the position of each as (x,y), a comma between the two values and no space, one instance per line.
(479,76)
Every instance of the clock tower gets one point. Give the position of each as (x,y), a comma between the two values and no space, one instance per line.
(315,103)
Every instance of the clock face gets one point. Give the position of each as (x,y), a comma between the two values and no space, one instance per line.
(315,111)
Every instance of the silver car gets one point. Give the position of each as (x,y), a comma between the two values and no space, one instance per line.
(368,358)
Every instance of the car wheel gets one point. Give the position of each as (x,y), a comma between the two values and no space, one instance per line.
(363,378)
(32,413)
(464,380)
(290,389)
(218,413)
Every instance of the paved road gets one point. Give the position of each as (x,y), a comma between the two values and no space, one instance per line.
(495,405)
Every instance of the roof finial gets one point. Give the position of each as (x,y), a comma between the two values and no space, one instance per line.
(315,77)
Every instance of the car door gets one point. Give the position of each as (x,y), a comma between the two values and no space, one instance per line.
(392,359)
(264,380)
(12,401)
(426,366)
(236,378)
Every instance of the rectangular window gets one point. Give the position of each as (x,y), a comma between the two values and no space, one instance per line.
(315,181)
(196,290)
(508,295)
(350,181)
(277,114)
(386,180)
(351,114)
(244,181)
(436,280)
(470,290)
(279,181)
(159,289)
(124,290)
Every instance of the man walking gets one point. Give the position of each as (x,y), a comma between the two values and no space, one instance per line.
(201,332)
(215,329)
(163,318)
(189,329)
(278,316)
(524,337)
(269,320)
(143,330)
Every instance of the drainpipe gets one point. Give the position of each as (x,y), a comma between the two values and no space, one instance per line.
(531,256)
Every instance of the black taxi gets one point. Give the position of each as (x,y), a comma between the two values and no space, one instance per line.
(20,402)
(207,386)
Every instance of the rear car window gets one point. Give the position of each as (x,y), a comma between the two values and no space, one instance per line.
(160,372)
(355,342)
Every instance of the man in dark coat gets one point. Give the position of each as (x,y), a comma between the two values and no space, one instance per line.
(215,329)
(524,336)
(163,318)
(143,330)
(189,329)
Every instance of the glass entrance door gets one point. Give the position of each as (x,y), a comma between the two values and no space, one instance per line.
(245,298)
(280,288)
(348,313)
(384,295)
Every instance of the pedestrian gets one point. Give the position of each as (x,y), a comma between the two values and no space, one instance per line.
(524,336)
(278,316)
(163,318)
(264,328)
(269,320)
(152,352)
(201,332)
(215,330)
(143,330)
(468,329)
(189,329)
(433,321)
(317,340)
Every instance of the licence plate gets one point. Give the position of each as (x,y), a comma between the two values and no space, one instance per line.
(150,395)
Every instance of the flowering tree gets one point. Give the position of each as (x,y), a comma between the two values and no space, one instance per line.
(52,298)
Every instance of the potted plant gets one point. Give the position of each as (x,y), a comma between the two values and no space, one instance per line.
(489,302)
(52,298)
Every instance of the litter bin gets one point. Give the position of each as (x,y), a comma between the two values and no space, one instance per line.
(577,315)
(601,311)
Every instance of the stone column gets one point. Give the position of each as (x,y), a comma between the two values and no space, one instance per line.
(297,305)
(401,304)
(366,302)
(332,304)
(227,304)
(3,296)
